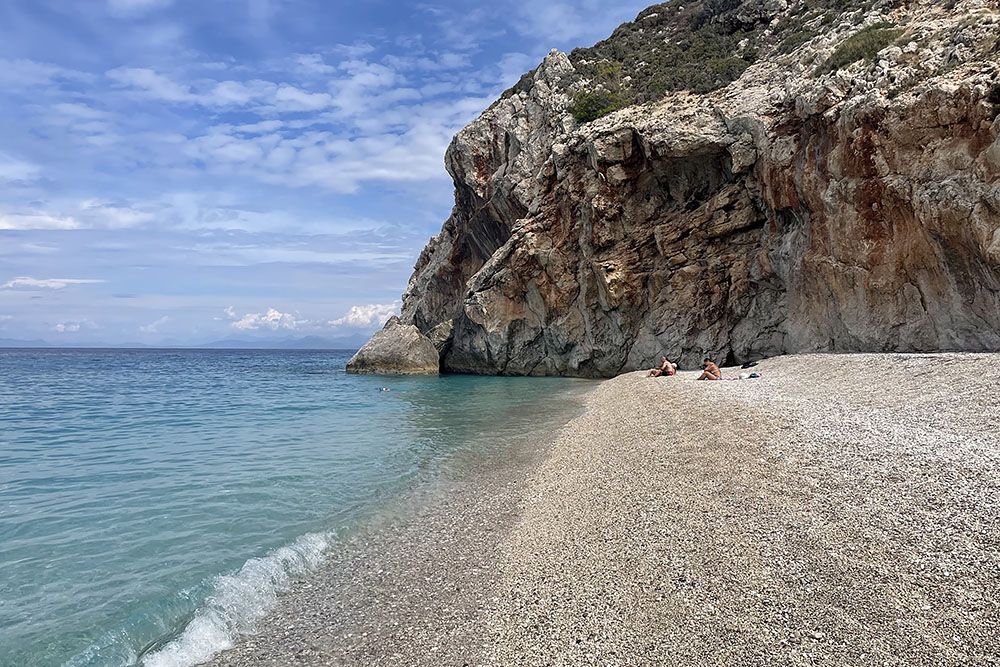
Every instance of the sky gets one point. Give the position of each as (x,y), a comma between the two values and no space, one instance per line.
(183,171)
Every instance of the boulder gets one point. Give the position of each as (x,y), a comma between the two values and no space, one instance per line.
(398,349)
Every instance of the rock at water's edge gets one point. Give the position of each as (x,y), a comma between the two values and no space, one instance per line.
(398,349)
(797,209)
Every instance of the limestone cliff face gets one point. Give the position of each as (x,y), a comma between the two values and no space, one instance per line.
(795,209)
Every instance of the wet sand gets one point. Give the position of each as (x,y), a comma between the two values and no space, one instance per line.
(841,510)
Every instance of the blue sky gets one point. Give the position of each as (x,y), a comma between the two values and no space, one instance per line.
(178,171)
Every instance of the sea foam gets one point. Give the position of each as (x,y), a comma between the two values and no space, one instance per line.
(238,601)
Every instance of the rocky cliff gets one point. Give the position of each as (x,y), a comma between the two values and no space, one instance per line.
(782,176)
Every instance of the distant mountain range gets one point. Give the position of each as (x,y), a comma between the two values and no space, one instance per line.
(13,342)
(304,343)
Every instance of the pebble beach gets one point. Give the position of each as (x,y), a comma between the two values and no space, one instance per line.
(839,510)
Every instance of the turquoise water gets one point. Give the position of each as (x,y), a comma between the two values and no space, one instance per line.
(152,503)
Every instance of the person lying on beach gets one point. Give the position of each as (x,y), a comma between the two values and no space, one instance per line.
(666,368)
(711,372)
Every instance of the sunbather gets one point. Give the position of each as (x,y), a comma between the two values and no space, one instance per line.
(711,372)
(666,368)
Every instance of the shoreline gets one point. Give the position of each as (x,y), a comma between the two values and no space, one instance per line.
(367,603)
(843,509)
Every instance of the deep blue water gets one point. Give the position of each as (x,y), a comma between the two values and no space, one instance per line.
(153,502)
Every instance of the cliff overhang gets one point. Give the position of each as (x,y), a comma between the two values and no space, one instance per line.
(794,208)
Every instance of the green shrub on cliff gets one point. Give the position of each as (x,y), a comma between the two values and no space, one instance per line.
(862,45)
(605,97)
(794,40)
(592,104)
(727,69)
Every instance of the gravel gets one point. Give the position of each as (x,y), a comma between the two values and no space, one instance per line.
(413,588)
(840,510)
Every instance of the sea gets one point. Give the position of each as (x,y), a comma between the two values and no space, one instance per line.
(155,503)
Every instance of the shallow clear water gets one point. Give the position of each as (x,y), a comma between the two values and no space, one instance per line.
(153,502)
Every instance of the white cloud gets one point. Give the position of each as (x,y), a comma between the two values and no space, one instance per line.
(290,98)
(77,112)
(366,316)
(153,327)
(230,314)
(73,326)
(37,220)
(110,215)
(466,31)
(393,143)
(13,170)
(27,283)
(155,85)
(272,319)
(86,214)
(83,122)
(439,62)
(312,64)
(23,73)
(385,119)
(255,93)
(235,93)
(356,50)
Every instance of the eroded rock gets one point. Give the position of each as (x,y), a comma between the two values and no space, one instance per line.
(791,211)
(398,349)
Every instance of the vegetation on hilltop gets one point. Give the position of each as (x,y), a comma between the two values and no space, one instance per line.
(701,46)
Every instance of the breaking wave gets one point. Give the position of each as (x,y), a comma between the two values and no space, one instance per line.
(238,601)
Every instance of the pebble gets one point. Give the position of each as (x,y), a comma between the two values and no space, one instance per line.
(811,557)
